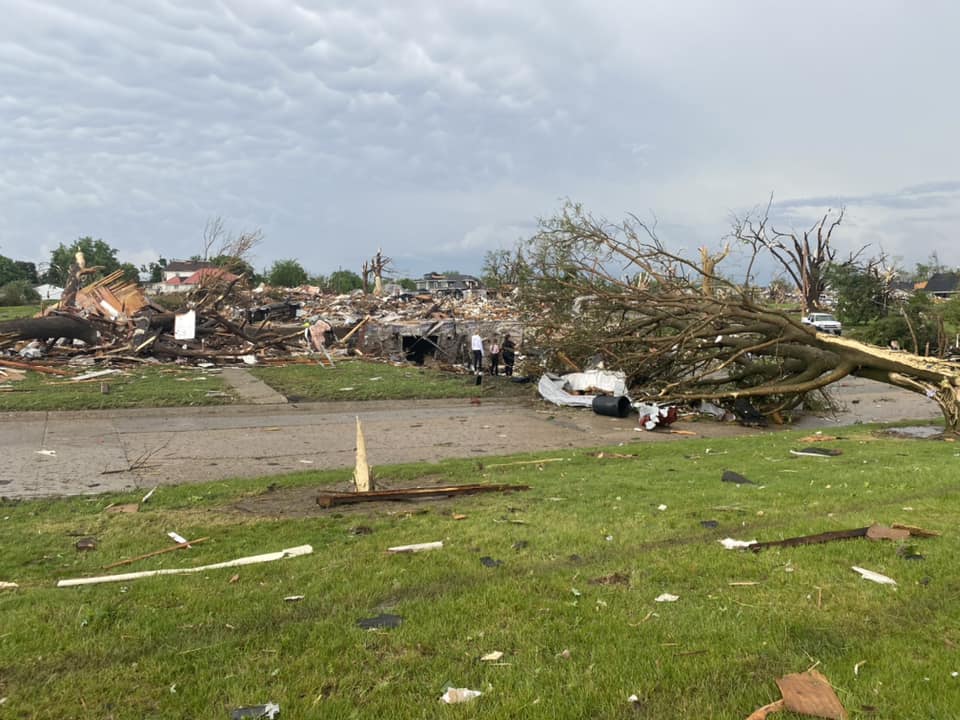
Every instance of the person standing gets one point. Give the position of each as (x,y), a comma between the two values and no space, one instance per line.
(508,351)
(476,344)
(494,358)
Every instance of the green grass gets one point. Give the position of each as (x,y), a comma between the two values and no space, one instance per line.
(143,386)
(365,380)
(199,645)
(13,312)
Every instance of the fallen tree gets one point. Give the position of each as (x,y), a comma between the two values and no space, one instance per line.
(50,327)
(614,290)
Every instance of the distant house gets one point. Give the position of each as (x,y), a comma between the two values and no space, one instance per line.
(183,275)
(453,284)
(943,285)
(183,268)
(49,292)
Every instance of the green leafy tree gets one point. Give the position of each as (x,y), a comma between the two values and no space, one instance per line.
(131,273)
(343,281)
(96,253)
(18,292)
(861,294)
(407,284)
(11,270)
(155,269)
(286,273)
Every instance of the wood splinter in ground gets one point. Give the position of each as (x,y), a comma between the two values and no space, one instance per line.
(362,475)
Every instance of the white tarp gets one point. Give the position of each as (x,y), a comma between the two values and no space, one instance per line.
(559,389)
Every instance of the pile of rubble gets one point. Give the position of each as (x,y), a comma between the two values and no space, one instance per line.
(223,322)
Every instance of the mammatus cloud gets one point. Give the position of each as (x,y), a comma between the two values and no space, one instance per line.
(438,130)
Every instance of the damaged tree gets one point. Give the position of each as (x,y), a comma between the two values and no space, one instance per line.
(51,326)
(804,257)
(614,289)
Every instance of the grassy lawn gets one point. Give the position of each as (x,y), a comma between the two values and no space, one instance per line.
(365,380)
(145,386)
(582,555)
(12,312)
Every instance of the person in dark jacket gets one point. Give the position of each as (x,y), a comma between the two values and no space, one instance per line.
(508,351)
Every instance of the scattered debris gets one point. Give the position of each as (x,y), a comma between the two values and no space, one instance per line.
(748,415)
(729,476)
(580,389)
(149,495)
(817,452)
(653,415)
(810,693)
(249,560)
(171,548)
(417,547)
(491,656)
(666,597)
(489,562)
(459,695)
(269,711)
(331,499)
(873,576)
(293,598)
(179,539)
(380,622)
(709,524)
(86,543)
(8,585)
(767,710)
(731,544)
(874,532)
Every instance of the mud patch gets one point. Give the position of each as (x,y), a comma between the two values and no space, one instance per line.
(917,432)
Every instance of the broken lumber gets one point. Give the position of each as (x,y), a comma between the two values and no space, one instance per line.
(178,546)
(874,532)
(331,499)
(36,368)
(249,560)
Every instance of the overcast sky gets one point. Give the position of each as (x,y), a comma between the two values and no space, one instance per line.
(440,130)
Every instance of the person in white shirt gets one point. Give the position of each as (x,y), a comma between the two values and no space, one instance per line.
(494,357)
(476,344)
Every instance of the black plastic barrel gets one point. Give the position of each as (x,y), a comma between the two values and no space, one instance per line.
(615,406)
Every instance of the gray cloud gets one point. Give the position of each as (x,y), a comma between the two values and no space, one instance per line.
(435,130)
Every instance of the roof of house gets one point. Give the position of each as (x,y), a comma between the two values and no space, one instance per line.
(209,273)
(186,265)
(943,283)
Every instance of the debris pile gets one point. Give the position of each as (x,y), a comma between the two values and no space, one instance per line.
(223,321)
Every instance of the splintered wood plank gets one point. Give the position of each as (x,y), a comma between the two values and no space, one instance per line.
(330,499)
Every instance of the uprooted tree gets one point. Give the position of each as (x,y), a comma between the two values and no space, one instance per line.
(615,290)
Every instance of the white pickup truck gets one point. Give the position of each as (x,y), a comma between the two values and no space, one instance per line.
(823,322)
